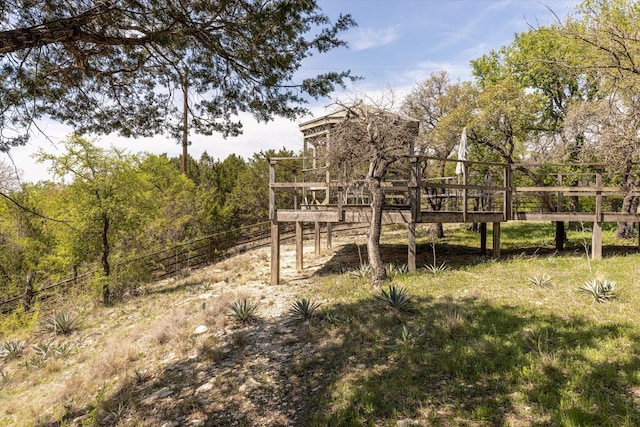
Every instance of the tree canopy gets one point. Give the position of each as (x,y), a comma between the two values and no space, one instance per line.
(116,65)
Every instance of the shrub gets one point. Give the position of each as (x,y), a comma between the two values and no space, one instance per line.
(243,310)
(600,290)
(304,309)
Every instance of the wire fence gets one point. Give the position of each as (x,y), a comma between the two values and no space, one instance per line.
(169,262)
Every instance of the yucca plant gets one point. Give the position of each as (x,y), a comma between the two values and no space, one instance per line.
(304,309)
(243,310)
(12,349)
(600,290)
(397,269)
(361,272)
(5,377)
(62,349)
(435,268)
(397,298)
(42,349)
(541,280)
(60,323)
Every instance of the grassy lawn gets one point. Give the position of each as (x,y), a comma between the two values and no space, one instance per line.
(482,343)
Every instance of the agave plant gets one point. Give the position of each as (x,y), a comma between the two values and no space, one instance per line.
(12,349)
(60,323)
(435,268)
(304,309)
(600,290)
(361,272)
(541,280)
(397,298)
(243,310)
(42,349)
(397,269)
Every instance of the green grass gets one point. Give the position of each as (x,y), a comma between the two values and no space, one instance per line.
(488,347)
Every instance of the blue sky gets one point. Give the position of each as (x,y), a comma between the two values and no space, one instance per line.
(397,44)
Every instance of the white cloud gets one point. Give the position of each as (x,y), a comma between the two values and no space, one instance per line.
(367,38)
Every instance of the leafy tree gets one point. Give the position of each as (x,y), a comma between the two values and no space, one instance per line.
(248,202)
(437,104)
(378,137)
(119,65)
(105,200)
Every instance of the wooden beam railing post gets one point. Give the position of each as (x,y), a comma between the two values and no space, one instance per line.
(465,191)
(275,252)
(508,194)
(414,202)
(559,224)
(299,246)
(596,236)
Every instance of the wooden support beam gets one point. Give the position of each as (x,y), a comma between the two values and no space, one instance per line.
(329,235)
(596,235)
(411,247)
(483,238)
(299,246)
(317,238)
(496,240)
(275,252)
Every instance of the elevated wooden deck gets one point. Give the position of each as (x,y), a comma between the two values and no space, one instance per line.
(484,193)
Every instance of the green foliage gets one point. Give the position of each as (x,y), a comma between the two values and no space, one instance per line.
(12,349)
(396,298)
(243,310)
(600,290)
(304,309)
(60,323)
(18,320)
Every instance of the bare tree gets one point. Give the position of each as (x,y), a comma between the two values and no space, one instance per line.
(373,134)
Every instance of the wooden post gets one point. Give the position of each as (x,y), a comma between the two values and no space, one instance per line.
(299,246)
(465,195)
(508,195)
(596,236)
(483,238)
(317,238)
(496,240)
(272,193)
(411,256)
(559,224)
(275,252)
(329,235)
(414,203)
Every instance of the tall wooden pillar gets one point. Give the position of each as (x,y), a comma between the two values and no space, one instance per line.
(275,252)
(299,246)
(317,238)
(411,256)
(596,235)
(483,238)
(496,240)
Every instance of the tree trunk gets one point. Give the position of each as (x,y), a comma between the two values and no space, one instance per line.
(106,268)
(625,230)
(378,272)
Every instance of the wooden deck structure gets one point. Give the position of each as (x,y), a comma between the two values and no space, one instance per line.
(308,190)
